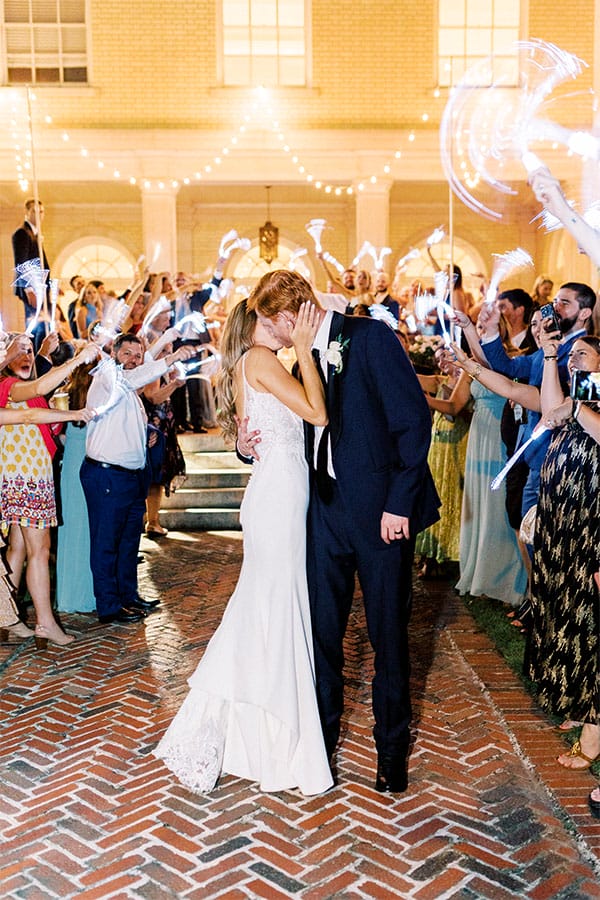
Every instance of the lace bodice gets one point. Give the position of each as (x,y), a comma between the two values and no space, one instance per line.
(279,426)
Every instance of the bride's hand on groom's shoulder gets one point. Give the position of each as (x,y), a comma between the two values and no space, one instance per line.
(247,440)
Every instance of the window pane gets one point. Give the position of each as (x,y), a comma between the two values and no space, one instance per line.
(263,12)
(236,42)
(236,12)
(292,71)
(15,11)
(291,42)
(452,42)
(452,12)
(291,13)
(264,46)
(47,76)
(72,11)
(19,75)
(504,38)
(479,12)
(45,40)
(479,42)
(44,11)
(507,12)
(18,40)
(73,40)
(75,74)
(264,70)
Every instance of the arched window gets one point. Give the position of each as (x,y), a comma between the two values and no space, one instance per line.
(249,267)
(464,256)
(95,259)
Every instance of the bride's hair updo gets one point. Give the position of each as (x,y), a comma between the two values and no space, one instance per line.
(280,290)
(238,337)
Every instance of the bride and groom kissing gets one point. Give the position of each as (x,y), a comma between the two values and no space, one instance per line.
(340,486)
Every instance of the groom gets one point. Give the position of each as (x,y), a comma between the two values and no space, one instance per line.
(371,492)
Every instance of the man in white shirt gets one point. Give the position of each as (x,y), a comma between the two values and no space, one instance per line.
(115,477)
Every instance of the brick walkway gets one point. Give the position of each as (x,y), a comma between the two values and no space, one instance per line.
(86,811)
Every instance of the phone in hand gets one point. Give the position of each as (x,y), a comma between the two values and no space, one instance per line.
(585,386)
(550,321)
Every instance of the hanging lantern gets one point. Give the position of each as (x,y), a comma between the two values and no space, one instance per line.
(268,236)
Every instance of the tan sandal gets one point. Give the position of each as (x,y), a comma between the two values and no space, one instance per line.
(577,753)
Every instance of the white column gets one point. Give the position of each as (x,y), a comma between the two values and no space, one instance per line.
(159,224)
(373,212)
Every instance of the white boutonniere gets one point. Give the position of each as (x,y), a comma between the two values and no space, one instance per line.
(334,353)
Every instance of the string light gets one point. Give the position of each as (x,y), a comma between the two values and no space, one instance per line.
(261,116)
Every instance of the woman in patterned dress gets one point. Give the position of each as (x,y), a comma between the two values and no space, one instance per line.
(564,599)
(27,499)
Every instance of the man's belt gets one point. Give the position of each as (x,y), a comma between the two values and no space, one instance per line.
(107,465)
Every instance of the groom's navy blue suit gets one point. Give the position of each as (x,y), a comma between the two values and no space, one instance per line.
(380,430)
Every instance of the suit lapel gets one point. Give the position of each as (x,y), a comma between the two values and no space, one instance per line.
(334,379)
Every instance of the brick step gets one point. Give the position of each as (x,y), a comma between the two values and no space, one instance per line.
(201,519)
(215,478)
(202,443)
(209,497)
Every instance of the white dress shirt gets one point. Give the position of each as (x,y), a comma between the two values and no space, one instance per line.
(119,435)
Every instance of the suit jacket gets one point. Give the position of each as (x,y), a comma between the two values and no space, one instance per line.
(380,427)
(25,247)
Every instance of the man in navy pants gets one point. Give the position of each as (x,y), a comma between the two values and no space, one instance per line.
(115,478)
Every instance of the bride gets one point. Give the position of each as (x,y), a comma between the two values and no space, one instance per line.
(252,710)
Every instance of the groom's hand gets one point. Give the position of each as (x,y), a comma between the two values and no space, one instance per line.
(247,440)
(394,528)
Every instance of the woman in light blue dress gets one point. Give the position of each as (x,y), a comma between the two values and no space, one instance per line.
(491,564)
(74,587)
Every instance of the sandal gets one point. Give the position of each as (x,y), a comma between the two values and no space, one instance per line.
(577,753)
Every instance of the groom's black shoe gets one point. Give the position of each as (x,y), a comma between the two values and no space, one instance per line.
(392,777)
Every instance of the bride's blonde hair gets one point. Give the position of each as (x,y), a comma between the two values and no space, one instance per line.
(238,337)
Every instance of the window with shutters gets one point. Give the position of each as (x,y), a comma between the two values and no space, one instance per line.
(44,42)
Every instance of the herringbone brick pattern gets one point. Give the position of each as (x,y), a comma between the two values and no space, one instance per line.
(86,811)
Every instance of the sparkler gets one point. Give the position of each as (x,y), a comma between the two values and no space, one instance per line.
(367,248)
(383,314)
(315,228)
(31,275)
(334,262)
(54,284)
(436,236)
(487,132)
(537,432)
(413,253)
(232,241)
(190,370)
(506,264)
(440,280)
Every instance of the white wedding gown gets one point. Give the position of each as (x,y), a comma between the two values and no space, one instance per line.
(252,709)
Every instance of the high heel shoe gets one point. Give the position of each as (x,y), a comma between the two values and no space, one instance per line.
(54,635)
(19,630)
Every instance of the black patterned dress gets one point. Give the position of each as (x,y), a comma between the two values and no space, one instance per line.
(169,469)
(565,608)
